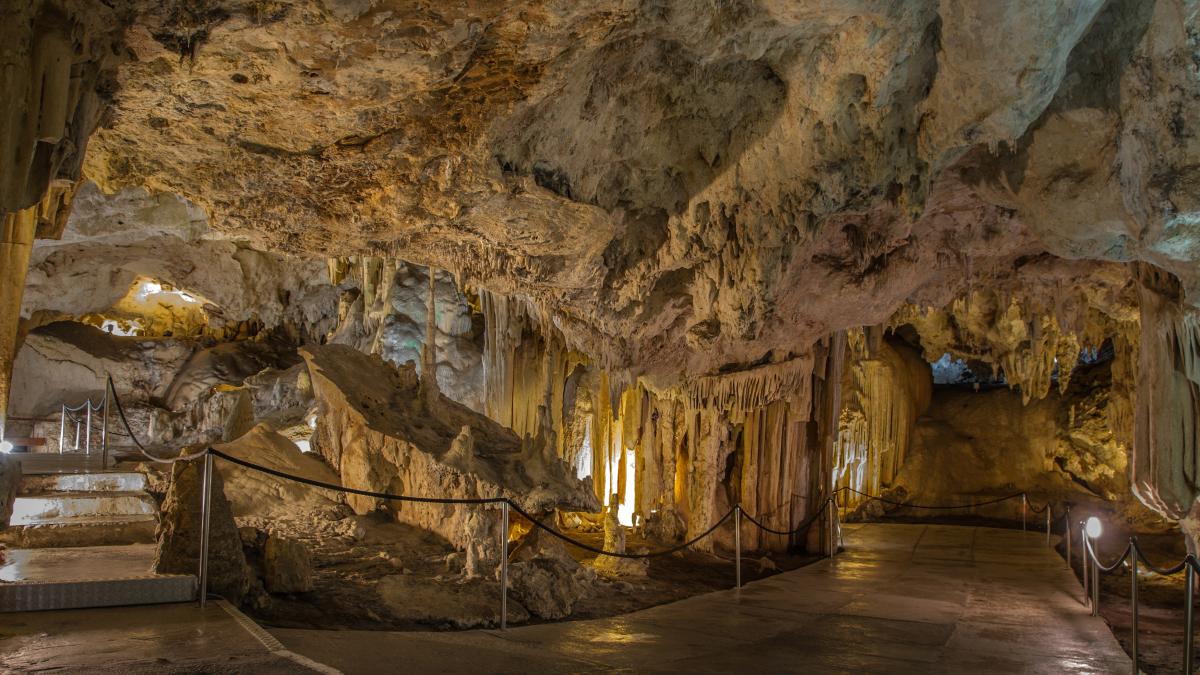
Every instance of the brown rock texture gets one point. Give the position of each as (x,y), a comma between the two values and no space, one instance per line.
(669,214)
(179,531)
(381,432)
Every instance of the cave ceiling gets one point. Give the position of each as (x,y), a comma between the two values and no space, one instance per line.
(679,186)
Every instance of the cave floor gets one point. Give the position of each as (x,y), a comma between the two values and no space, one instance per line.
(901,599)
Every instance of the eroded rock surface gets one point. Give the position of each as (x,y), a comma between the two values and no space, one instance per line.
(179,532)
(382,434)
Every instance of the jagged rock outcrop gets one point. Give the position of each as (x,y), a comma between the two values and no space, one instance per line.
(253,494)
(381,434)
(545,579)
(179,531)
(10,483)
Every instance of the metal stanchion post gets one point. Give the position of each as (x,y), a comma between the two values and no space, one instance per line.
(1133,600)
(1083,564)
(837,524)
(104,429)
(830,515)
(62,430)
(87,443)
(1024,502)
(1067,529)
(1095,580)
(504,565)
(205,512)
(1048,510)
(77,434)
(1188,627)
(737,543)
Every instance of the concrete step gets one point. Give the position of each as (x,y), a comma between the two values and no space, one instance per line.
(82,531)
(152,589)
(107,481)
(100,576)
(34,463)
(63,505)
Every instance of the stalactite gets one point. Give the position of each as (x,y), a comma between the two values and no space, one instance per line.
(885,393)
(745,390)
(429,359)
(1166,448)
(665,454)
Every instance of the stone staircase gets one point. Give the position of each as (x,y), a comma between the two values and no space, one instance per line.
(81,538)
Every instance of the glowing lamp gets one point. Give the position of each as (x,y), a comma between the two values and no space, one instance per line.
(6,446)
(1094,528)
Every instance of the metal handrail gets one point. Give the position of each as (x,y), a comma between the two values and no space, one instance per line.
(1130,556)
(83,427)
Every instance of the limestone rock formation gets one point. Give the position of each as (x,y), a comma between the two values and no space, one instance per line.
(255,494)
(179,532)
(10,483)
(381,434)
(288,566)
(670,232)
(545,579)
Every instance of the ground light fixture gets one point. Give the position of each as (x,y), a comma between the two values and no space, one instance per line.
(1094,527)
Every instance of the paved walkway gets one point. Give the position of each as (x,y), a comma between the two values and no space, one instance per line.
(901,599)
(159,639)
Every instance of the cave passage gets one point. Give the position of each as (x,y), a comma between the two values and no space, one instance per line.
(801,336)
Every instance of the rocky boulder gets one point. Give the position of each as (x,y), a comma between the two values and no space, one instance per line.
(383,433)
(180,528)
(545,579)
(287,565)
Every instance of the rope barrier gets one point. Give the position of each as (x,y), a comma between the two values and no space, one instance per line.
(787,533)
(1101,566)
(599,551)
(496,500)
(1164,572)
(341,488)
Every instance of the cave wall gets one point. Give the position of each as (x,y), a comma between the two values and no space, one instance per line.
(56,70)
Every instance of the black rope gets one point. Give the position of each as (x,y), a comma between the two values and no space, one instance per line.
(356,491)
(1161,571)
(1035,509)
(599,551)
(496,500)
(1117,563)
(933,507)
(799,528)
